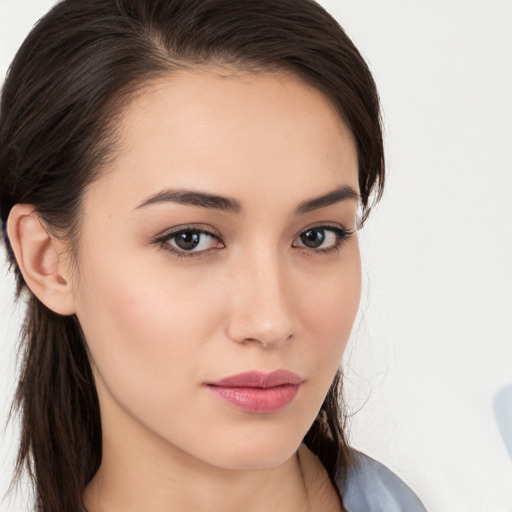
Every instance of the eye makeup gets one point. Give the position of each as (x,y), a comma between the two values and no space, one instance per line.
(192,241)
(189,241)
(322,238)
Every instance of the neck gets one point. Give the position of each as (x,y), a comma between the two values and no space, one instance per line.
(134,483)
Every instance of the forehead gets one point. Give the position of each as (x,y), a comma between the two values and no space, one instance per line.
(231,133)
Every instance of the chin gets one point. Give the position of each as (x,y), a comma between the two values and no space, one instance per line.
(255,460)
(260,449)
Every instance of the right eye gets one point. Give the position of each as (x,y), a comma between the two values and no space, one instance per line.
(189,242)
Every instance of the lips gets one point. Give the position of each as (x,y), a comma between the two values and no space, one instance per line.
(258,392)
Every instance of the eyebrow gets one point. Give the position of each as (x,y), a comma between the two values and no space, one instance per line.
(205,200)
(193,198)
(340,194)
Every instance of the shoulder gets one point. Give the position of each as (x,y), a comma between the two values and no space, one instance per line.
(372,487)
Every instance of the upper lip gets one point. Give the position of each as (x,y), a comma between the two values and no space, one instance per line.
(256,379)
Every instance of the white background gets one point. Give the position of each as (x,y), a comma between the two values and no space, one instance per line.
(433,347)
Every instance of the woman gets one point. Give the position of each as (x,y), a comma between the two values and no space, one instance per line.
(181,187)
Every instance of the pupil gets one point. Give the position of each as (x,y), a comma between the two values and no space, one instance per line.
(187,240)
(313,238)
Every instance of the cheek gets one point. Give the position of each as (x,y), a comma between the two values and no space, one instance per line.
(331,304)
(329,311)
(142,327)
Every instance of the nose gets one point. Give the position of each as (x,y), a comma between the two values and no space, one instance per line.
(262,302)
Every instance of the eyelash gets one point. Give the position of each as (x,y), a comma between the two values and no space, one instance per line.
(341,234)
(163,241)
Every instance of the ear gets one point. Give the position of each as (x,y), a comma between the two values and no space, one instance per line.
(38,255)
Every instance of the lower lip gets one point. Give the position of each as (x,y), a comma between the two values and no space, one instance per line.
(258,400)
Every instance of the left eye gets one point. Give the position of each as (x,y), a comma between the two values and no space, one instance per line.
(190,240)
(320,238)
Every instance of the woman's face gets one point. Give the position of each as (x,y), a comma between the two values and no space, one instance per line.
(220,241)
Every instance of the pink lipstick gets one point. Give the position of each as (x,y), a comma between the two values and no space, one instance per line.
(256,391)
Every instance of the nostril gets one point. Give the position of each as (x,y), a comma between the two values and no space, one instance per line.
(253,331)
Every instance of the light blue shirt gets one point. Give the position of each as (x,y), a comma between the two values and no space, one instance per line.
(372,487)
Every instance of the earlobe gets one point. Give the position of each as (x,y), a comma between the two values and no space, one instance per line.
(37,254)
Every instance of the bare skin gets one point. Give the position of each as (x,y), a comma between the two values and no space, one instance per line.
(294,488)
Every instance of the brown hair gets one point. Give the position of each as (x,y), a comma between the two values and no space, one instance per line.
(63,94)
